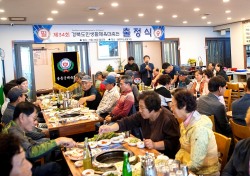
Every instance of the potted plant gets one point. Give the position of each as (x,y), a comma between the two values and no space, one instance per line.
(110,68)
(192,62)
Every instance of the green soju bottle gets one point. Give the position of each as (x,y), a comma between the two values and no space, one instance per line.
(126,170)
(87,160)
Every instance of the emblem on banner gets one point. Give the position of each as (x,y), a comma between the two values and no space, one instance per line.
(43,34)
(158,33)
(65,65)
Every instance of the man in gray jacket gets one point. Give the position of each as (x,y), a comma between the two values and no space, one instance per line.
(210,105)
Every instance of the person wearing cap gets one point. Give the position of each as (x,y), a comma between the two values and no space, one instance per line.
(98,79)
(146,70)
(91,95)
(125,102)
(184,81)
(131,65)
(6,89)
(110,97)
(15,95)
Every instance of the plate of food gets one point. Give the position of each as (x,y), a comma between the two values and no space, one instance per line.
(133,141)
(111,173)
(75,154)
(140,144)
(53,119)
(104,142)
(92,144)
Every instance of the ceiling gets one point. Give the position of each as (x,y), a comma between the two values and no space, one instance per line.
(77,12)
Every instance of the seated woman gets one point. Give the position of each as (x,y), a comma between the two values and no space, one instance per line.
(239,161)
(198,145)
(162,90)
(198,83)
(159,127)
(220,71)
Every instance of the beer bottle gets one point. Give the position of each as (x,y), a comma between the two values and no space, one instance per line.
(126,170)
(87,160)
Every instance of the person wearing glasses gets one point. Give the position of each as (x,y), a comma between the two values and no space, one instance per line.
(125,102)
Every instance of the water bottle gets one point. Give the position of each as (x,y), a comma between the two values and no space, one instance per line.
(126,170)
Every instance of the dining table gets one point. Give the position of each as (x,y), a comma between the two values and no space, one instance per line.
(77,171)
(62,129)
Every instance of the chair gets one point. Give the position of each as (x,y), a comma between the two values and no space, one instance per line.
(223,145)
(212,119)
(227,98)
(229,78)
(239,131)
(235,90)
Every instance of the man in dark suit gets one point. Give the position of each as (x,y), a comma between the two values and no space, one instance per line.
(146,70)
(210,105)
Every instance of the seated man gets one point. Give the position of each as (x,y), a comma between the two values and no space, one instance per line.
(184,81)
(159,127)
(12,157)
(240,106)
(6,89)
(125,102)
(134,88)
(98,79)
(110,97)
(162,90)
(211,105)
(239,162)
(77,92)
(15,95)
(23,121)
(91,95)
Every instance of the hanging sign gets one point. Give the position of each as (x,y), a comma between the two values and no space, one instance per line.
(64,67)
(96,33)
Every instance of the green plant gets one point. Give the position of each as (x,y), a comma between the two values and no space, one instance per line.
(191,60)
(110,68)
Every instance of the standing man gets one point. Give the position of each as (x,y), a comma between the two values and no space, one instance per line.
(110,97)
(131,65)
(126,101)
(91,95)
(211,105)
(146,70)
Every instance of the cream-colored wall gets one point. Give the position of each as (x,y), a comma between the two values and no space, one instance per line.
(237,47)
(43,73)
(153,49)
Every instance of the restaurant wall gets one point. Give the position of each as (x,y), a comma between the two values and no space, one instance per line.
(192,44)
(8,34)
(237,47)
(192,41)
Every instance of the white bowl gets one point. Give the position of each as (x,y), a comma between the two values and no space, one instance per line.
(140,144)
(93,144)
(88,172)
(78,163)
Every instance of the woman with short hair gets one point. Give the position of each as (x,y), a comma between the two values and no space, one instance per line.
(198,145)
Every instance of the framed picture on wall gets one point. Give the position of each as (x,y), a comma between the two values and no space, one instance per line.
(108,50)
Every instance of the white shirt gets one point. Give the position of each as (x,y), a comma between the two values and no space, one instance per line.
(109,99)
